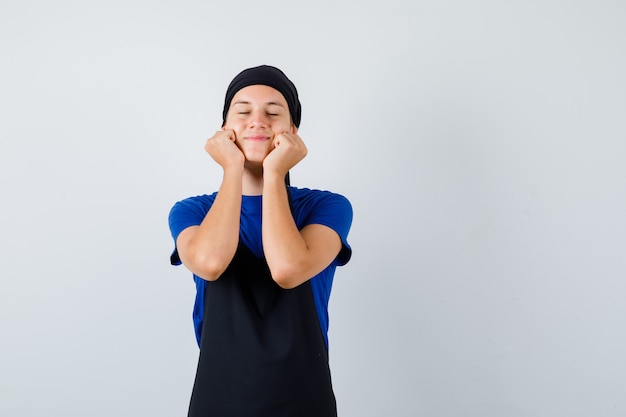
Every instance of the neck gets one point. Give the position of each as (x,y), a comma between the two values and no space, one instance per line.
(252,181)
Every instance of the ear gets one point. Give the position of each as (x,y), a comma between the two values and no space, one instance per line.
(294,129)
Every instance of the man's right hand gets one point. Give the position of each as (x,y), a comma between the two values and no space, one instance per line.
(222,148)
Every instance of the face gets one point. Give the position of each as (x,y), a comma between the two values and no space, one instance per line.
(257,114)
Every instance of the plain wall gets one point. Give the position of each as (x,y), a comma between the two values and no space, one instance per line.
(482,145)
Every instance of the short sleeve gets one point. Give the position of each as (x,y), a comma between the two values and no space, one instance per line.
(328,209)
(186,213)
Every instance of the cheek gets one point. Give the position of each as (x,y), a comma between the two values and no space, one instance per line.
(233,125)
(285,127)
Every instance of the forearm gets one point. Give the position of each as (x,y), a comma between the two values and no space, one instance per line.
(284,247)
(213,245)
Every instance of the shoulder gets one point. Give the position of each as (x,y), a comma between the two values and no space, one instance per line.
(321,206)
(197,202)
(307,196)
(189,212)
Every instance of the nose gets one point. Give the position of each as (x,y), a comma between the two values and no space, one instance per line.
(258,119)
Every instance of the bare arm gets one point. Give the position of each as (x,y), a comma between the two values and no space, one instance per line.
(207,249)
(293,256)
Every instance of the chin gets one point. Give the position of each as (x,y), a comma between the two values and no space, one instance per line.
(256,156)
(255,160)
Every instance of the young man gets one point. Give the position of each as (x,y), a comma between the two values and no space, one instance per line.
(263,255)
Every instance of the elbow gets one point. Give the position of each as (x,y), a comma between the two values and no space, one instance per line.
(207,275)
(288,278)
(207,268)
(284,283)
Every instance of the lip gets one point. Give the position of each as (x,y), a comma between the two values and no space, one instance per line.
(259,138)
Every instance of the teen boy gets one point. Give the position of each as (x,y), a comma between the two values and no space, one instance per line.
(263,255)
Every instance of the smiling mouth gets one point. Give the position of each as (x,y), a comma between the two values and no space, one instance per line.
(257,137)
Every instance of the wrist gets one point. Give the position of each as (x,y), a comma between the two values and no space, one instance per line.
(272,175)
(274,182)
(233,171)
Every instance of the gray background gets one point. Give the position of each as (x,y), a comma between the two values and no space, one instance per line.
(481,143)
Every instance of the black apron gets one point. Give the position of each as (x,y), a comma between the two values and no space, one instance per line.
(262,351)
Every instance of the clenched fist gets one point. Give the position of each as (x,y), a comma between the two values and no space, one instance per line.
(222,148)
(289,149)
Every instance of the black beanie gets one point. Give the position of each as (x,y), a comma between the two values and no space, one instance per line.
(272,77)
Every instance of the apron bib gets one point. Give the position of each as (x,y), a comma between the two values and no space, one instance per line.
(262,352)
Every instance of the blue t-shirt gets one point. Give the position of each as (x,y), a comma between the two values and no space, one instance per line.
(308,207)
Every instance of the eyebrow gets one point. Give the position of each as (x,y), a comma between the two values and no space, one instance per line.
(269,103)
